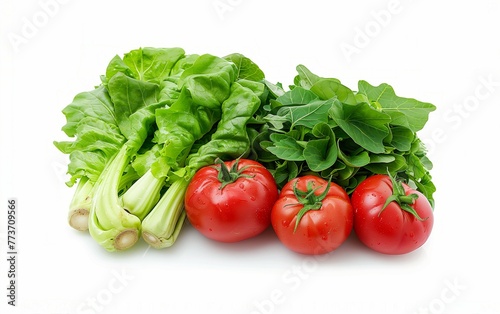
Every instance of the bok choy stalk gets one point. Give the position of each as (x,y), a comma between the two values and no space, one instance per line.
(109,224)
(230,140)
(202,86)
(78,215)
(120,110)
(135,102)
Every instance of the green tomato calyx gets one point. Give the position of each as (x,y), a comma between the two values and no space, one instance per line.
(399,196)
(308,199)
(228,175)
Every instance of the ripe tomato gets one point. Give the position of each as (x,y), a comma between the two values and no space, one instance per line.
(231,201)
(312,216)
(398,228)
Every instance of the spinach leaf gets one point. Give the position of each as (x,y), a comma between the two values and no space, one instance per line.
(354,160)
(402,138)
(321,126)
(364,124)
(296,96)
(286,147)
(332,88)
(406,112)
(305,78)
(307,115)
(321,153)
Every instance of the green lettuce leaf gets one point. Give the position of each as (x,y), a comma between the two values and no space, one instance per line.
(152,64)
(247,69)
(230,140)
(95,103)
(131,98)
(203,88)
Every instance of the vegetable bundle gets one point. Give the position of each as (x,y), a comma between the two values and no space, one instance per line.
(159,115)
(322,126)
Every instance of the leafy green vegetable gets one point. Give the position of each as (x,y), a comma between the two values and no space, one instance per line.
(132,136)
(324,127)
(331,88)
(247,69)
(407,112)
(364,124)
(321,153)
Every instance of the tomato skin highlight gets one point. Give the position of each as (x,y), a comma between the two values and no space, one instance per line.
(318,231)
(239,211)
(391,230)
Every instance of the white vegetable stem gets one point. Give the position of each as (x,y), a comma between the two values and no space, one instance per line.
(162,225)
(78,215)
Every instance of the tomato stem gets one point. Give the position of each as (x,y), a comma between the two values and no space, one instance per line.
(309,199)
(227,176)
(399,196)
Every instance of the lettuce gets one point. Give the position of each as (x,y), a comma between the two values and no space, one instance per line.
(132,135)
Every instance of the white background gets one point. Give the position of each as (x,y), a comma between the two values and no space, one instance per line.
(443,52)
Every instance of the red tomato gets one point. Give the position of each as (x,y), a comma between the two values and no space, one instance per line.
(401,227)
(233,202)
(310,218)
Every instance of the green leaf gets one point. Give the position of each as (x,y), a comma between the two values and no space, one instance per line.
(96,103)
(286,147)
(92,135)
(358,160)
(332,88)
(398,164)
(275,89)
(88,164)
(297,96)
(132,99)
(247,69)
(402,138)
(209,81)
(116,65)
(204,88)
(406,112)
(152,64)
(364,124)
(307,115)
(168,93)
(143,161)
(346,174)
(321,153)
(230,140)
(305,78)
(381,158)
(426,187)
(285,171)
